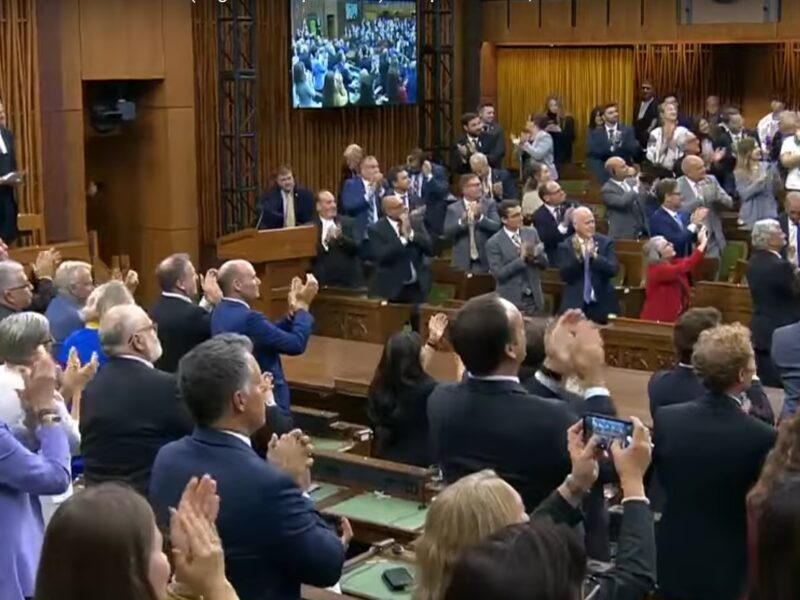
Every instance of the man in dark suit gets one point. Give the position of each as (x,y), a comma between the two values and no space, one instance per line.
(731,131)
(336,263)
(613,139)
(493,135)
(181,323)
(646,114)
(488,420)
(240,286)
(553,219)
(516,256)
(587,264)
(469,223)
(472,141)
(496,184)
(130,409)
(681,383)
(361,198)
(10,178)
(625,202)
(708,455)
(398,183)
(790,224)
(285,204)
(274,539)
(399,244)
(678,228)
(775,288)
(429,188)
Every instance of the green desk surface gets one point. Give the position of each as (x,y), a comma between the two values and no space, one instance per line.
(365,580)
(382,510)
(325,490)
(329,444)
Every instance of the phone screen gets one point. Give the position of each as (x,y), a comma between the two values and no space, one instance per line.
(607,429)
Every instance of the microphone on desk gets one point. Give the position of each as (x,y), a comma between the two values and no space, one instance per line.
(260,218)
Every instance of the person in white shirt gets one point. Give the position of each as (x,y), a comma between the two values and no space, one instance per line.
(769,125)
(790,224)
(337,262)
(665,145)
(790,159)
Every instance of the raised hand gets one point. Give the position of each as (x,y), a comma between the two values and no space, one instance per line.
(427,168)
(294,291)
(46,263)
(561,340)
(131,281)
(76,376)
(210,287)
(632,462)
(699,215)
(584,457)
(437,325)
(40,384)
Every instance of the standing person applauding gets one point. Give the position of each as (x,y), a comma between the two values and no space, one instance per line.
(667,290)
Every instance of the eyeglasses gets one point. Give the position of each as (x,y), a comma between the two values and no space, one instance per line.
(22,286)
(151,327)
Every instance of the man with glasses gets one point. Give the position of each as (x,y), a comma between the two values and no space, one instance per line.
(678,228)
(553,218)
(120,439)
(16,292)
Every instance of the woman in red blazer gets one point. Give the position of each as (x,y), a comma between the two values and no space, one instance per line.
(667,287)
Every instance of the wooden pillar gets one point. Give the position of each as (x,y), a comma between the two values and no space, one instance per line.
(488,67)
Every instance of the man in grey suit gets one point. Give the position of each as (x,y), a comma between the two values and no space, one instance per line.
(471,221)
(786,358)
(516,255)
(625,202)
(699,190)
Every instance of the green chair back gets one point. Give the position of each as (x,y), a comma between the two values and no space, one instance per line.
(734,251)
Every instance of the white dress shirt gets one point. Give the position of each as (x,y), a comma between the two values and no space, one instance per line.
(790,146)
(396,226)
(138,359)
(792,256)
(562,228)
(643,106)
(514,236)
(179,296)
(3,147)
(327,225)
(674,214)
(241,437)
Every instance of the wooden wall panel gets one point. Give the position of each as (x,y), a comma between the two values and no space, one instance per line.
(122,39)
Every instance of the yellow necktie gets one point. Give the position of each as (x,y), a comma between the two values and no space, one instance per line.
(289,218)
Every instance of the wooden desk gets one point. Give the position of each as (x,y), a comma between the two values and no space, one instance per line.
(733,301)
(352,316)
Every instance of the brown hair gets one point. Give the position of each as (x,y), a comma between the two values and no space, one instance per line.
(465,179)
(98,546)
(688,328)
(782,461)
(744,154)
(283,170)
(720,355)
(465,513)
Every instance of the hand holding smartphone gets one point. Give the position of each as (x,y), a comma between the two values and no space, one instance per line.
(607,429)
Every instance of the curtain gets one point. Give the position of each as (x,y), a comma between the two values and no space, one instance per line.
(19,91)
(582,77)
(785,73)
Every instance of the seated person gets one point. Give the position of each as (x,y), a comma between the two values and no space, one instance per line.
(337,262)
(285,204)
(43,289)
(587,264)
(274,539)
(181,323)
(488,420)
(667,290)
(16,291)
(397,401)
(545,559)
(469,223)
(73,280)
(120,438)
(87,339)
(553,220)
(708,453)
(516,256)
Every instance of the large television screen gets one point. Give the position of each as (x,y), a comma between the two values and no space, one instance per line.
(354,53)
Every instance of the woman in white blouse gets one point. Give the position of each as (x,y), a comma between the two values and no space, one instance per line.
(664,148)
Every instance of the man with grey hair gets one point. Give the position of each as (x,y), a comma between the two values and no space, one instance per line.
(73,280)
(16,292)
(495,183)
(775,290)
(182,324)
(131,409)
(274,538)
(700,190)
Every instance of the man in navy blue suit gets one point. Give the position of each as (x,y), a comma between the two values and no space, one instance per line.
(587,263)
(274,539)
(285,204)
(361,196)
(612,139)
(678,228)
(430,188)
(240,285)
(553,219)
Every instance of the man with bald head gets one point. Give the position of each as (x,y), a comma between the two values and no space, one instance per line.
(337,262)
(240,287)
(130,409)
(625,201)
(700,190)
(399,244)
(587,264)
(790,223)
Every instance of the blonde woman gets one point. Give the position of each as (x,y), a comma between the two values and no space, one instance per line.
(665,146)
(755,184)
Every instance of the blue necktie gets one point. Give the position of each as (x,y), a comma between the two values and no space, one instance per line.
(588,292)
(678,221)
(373,217)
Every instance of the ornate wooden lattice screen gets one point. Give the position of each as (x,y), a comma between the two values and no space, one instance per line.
(19,90)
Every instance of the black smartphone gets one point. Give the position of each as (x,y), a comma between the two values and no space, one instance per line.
(397,579)
(607,429)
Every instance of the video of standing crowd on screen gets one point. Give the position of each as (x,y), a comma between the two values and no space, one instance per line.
(354,52)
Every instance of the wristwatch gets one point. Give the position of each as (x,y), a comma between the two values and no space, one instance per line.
(574,487)
(48,416)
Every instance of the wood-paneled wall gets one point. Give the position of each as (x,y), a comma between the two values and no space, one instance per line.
(310,140)
(19,91)
(618,22)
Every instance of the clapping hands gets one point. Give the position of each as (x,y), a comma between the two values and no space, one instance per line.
(76,376)
(292,453)
(437,325)
(301,295)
